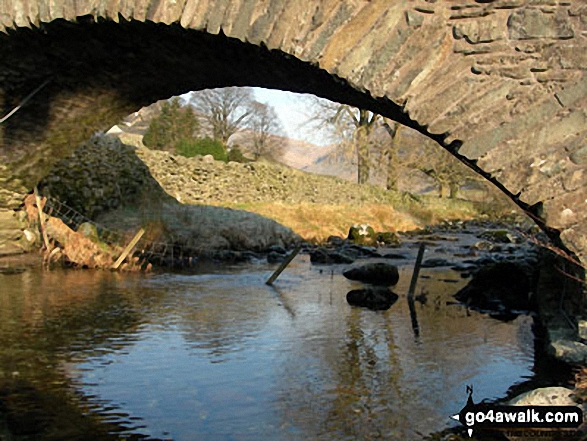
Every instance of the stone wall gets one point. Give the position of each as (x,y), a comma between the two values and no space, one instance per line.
(104,174)
(502,84)
(100,175)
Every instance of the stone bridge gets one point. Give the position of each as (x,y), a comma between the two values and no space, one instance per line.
(501,84)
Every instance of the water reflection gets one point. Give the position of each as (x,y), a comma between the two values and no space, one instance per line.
(223,356)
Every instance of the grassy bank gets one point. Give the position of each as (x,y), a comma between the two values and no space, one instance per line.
(315,222)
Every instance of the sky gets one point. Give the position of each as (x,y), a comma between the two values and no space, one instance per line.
(293,112)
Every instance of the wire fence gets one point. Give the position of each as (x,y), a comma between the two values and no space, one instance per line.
(147,250)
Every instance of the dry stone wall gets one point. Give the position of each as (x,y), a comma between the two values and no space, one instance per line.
(502,84)
(104,174)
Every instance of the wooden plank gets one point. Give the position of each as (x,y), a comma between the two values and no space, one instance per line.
(283,265)
(416,270)
(411,305)
(129,248)
(42,220)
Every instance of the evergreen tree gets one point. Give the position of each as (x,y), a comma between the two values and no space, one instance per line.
(174,124)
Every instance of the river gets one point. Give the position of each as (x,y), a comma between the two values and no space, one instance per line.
(215,354)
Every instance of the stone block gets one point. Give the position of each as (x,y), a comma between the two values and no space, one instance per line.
(414,19)
(579,157)
(478,31)
(527,24)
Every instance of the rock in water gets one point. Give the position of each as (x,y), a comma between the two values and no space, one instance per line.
(436,262)
(383,274)
(502,286)
(389,238)
(376,298)
(546,396)
(362,235)
(275,257)
(323,255)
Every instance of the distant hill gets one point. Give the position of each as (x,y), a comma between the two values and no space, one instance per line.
(301,154)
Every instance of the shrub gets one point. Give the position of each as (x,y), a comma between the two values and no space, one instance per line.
(236,155)
(202,146)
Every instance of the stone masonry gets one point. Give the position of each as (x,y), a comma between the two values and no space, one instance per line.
(501,84)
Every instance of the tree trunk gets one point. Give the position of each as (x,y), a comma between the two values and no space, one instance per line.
(442,190)
(362,155)
(392,178)
(454,190)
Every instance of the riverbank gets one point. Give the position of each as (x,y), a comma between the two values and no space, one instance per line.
(113,183)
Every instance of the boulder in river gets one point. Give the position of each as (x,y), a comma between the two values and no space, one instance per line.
(375,298)
(389,238)
(335,240)
(277,249)
(362,235)
(380,273)
(502,286)
(545,396)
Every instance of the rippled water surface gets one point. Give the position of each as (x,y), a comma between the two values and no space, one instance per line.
(221,356)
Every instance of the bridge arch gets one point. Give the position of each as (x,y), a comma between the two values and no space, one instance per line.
(501,84)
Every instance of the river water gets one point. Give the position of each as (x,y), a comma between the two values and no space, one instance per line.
(215,354)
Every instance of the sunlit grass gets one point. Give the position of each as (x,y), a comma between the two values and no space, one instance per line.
(315,222)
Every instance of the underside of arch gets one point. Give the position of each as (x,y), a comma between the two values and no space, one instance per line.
(97,71)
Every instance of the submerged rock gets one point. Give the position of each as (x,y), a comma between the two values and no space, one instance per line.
(275,257)
(323,255)
(376,298)
(436,262)
(380,273)
(394,256)
(482,246)
(9,271)
(360,251)
(277,249)
(498,236)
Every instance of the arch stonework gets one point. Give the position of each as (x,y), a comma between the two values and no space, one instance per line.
(502,84)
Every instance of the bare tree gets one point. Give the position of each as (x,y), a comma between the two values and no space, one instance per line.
(226,110)
(264,125)
(352,127)
(447,171)
(390,153)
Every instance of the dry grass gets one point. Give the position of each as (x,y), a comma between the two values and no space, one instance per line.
(315,222)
